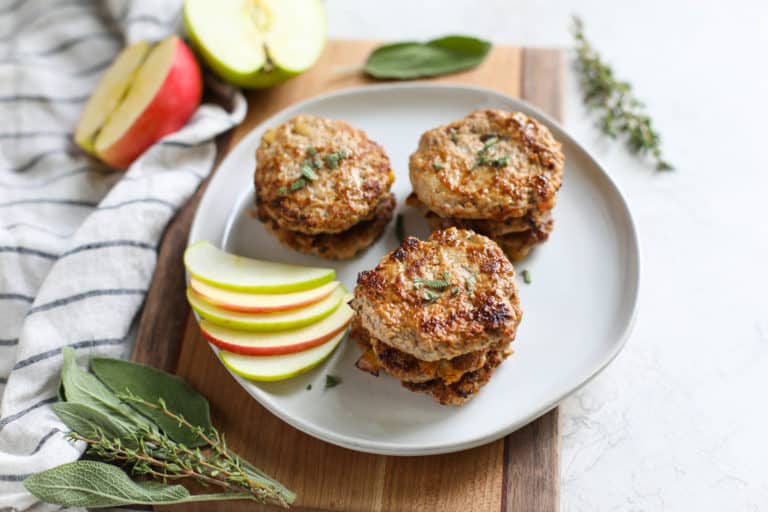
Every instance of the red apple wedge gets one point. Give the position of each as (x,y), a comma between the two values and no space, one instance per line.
(281,342)
(109,93)
(246,302)
(134,106)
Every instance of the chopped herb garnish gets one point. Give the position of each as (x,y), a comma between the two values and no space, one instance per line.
(317,162)
(399,228)
(299,183)
(454,136)
(438,284)
(307,172)
(333,159)
(501,161)
(331,381)
(311,152)
(282,191)
(437,165)
(526,276)
(309,386)
(455,291)
(490,141)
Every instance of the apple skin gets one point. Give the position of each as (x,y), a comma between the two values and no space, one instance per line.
(175,102)
(292,364)
(268,303)
(302,338)
(210,265)
(271,351)
(264,322)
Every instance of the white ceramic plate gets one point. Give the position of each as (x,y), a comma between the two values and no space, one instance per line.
(577,312)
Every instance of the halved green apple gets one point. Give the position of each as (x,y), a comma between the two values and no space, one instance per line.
(245,302)
(257,43)
(270,368)
(280,342)
(213,266)
(267,321)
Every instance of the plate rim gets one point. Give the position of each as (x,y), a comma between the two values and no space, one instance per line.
(397,449)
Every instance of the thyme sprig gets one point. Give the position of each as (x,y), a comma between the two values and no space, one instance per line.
(619,112)
(152,453)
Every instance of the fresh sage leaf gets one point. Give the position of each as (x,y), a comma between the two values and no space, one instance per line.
(156,386)
(81,387)
(87,421)
(404,61)
(88,483)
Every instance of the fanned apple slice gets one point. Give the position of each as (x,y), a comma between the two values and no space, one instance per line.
(257,43)
(246,302)
(108,93)
(280,342)
(271,368)
(213,266)
(267,321)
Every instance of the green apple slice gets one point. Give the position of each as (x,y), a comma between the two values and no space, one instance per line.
(213,266)
(270,368)
(267,321)
(245,302)
(257,43)
(278,342)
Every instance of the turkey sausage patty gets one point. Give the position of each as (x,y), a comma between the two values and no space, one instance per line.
(491,165)
(315,175)
(441,298)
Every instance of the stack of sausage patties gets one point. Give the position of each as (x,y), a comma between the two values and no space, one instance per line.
(495,172)
(322,186)
(439,315)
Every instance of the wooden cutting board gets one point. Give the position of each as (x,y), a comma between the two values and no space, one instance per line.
(517,473)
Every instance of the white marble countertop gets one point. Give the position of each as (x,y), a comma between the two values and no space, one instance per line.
(676,422)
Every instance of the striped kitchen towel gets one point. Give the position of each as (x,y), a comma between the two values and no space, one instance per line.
(78,240)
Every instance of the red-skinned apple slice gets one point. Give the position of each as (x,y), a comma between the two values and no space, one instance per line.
(159,97)
(281,342)
(260,302)
(280,367)
(279,321)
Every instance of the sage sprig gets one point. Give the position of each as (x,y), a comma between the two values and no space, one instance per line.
(157,427)
(409,60)
(619,112)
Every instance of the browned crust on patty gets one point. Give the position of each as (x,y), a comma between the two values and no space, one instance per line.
(478,309)
(341,196)
(459,393)
(517,245)
(446,177)
(449,381)
(337,246)
(533,219)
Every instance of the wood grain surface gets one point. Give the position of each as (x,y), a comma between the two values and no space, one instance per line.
(517,473)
